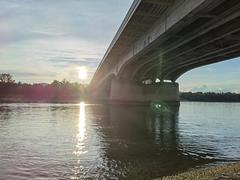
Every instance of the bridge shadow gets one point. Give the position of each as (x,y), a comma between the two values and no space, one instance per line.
(142,142)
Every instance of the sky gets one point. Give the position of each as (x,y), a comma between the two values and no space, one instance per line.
(43,40)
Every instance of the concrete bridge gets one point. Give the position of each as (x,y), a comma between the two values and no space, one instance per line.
(159,40)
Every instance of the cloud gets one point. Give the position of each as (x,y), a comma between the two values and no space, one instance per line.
(47,39)
(203,88)
(51,38)
(210,69)
(32,74)
(231,86)
(63,61)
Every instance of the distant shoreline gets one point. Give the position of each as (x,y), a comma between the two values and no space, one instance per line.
(67,92)
(2,101)
(209,97)
(211,101)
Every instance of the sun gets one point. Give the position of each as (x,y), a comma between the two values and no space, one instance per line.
(82,73)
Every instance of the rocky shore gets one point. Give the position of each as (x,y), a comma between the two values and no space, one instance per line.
(223,172)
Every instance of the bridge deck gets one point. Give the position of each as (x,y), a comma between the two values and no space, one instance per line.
(165,38)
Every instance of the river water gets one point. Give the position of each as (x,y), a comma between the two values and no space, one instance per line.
(90,141)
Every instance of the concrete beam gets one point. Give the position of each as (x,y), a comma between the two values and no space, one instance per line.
(171,17)
(203,41)
(160,2)
(187,50)
(218,58)
(211,57)
(146,14)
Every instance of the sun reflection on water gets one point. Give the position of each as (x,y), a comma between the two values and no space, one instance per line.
(81,123)
(81,130)
(80,145)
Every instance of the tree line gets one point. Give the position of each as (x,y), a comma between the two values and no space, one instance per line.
(57,91)
(210,97)
(65,91)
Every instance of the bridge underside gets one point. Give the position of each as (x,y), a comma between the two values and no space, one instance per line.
(163,39)
(208,35)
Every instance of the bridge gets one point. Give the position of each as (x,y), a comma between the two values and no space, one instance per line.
(159,40)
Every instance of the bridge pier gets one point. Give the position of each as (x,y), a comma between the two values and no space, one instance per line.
(122,90)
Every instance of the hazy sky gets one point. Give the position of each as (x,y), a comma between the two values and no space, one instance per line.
(43,40)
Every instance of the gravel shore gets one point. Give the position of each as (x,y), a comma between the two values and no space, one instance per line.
(223,172)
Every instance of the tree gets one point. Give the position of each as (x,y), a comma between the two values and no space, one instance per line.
(56,83)
(65,83)
(6,78)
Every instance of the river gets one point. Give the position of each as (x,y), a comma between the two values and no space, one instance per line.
(92,141)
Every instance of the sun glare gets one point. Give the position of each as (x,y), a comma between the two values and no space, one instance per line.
(82,73)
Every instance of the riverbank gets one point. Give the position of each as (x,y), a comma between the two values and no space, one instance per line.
(19,100)
(229,171)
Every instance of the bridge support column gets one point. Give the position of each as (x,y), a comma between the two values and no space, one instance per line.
(122,90)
